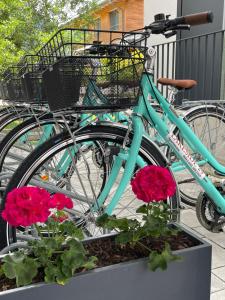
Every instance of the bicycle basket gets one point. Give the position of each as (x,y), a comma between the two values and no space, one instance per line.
(31,73)
(12,84)
(94,70)
(4,89)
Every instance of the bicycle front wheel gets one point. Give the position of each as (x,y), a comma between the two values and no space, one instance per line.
(79,168)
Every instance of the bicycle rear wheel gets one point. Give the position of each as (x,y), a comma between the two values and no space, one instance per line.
(23,139)
(208,123)
(80,170)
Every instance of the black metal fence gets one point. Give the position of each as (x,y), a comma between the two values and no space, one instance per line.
(199,58)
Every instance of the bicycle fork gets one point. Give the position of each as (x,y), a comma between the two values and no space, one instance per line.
(123,155)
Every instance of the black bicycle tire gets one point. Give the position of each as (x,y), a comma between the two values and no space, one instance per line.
(18,131)
(34,160)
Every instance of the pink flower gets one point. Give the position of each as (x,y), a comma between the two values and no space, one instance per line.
(60,202)
(153,183)
(26,206)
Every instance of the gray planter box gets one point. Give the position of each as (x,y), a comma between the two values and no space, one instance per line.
(186,280)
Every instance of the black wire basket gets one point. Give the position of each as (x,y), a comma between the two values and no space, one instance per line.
(31,72)
(3,90)
(93,69)
(11,85)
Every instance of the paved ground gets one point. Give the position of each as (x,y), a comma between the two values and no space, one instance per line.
(217,240)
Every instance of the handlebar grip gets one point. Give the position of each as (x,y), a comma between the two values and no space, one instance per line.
(198,19)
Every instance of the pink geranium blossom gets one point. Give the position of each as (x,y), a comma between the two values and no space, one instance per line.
(26,206)
(60,202)
(153,183)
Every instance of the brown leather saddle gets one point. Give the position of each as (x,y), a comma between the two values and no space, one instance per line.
(179,84)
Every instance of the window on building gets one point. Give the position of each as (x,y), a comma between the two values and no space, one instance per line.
(114,20)
(98,24)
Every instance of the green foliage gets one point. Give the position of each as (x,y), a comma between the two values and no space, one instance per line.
(25,25)
(161,260)
(21,267)
(62,253)
(155,217)
(73,257)
(1,271)
(54,273)
(69,229)
(122,224)
(58,255)
(91,263)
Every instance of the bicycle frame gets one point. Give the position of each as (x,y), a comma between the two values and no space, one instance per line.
(145,109)
(191,139)
(161,124)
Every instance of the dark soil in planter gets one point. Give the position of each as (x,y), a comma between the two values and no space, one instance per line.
(109,253)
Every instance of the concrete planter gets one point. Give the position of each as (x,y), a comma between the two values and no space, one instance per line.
(186,280)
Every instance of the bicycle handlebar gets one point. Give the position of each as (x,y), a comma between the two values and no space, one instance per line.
(198,19)
(163,24)
(194,19)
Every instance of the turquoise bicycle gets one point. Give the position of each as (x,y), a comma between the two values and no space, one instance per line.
(106,156)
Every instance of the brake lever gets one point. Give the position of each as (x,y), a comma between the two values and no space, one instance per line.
(169,33)
(183,27)
(178,27)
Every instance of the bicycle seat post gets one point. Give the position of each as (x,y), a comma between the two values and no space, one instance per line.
(172,93)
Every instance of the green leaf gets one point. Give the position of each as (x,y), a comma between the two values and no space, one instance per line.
(53,273)
(102,220)
(20,267)
(66,263)
(44,249)
(73,258)
(1,271)
(161,260)
(156,261)
(75,245)
(51,243)
(142,209)
(121,224)
(112,223)
(91,263)
(69,229)
(124,237)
